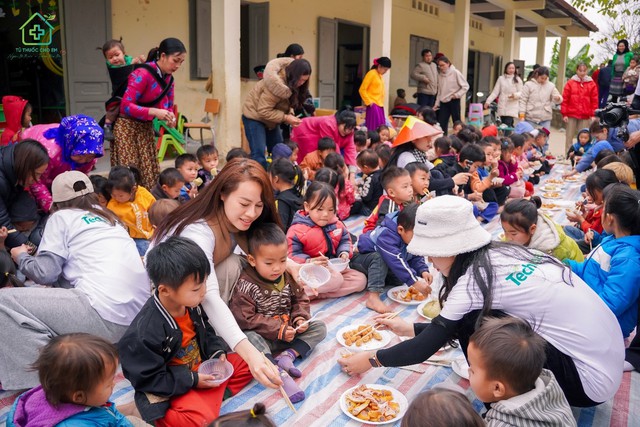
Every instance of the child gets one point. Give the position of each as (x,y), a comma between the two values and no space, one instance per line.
(317,235)
(113,51)
(131,203)
(77,374)
(384,133)
(420,176)
(100,184)
(167,341)
(287,180)
(160,209)
(344,191)
(401,97)
(600,134)
(390,240)
(360,141)
(208,159)
(314,160)
(281,151)
(397,183)
(623,172)
(370,190)
(373,139)
(384,155)
(442,151)
(506,359)
(187,165)
(612,269)
(256,416)
(458,125)
(293,146)
(170,183)
(236,153)
(272,309)
(510,173)
(590,218)
(440,407)
(17,113)
(630,77)
(581,146)
(524,224)
(8,276)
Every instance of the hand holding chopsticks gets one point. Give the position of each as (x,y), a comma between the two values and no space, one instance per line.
(284,394)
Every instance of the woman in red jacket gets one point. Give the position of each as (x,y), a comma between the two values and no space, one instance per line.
(579,103)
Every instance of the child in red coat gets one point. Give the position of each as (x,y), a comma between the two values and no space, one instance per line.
(579,103)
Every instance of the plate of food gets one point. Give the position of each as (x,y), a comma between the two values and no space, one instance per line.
(552,195)
(552,187)
(550,207)
(461,367)
(362,337)
(429,309)
(554,181)
(573,178)
(407,295)
(374,404)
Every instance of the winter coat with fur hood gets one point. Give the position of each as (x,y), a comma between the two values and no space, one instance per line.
(579,98)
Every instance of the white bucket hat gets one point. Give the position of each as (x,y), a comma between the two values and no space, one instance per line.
(445,226)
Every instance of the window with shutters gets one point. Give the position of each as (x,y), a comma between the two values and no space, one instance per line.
(254,38)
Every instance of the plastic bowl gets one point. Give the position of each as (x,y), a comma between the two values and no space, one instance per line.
(221,370)
(338,264)
(314,276)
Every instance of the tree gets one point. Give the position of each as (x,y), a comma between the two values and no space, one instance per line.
(583,56)
(623,26)
(611,8)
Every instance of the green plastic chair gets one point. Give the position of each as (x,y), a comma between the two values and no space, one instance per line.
(168,137)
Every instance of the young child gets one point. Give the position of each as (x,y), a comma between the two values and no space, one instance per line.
(420,177)
(131,203)
(384,155)
(114,54)
(397,183)
(287,180)
(373,139)
(272,309)
(77,374)
(600,134)
(360,140)
(506,359)
(510,173)
(160,209)
(590,218)
(293,146)
(630,77)
(281,151)
(612,269)
(581,146)
(208,159)
(170,183)
(167,341)
(236,153)
(443,152)
(315,159)
(255,417)
(441,407)
(100,184)
(317,235)
(344,191)
(17,113)
(524,224)
(458,125)
(384,133)
(390,240)
(187,165)
(401,97)
(370,190)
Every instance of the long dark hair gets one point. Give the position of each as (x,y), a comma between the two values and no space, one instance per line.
(515,75)
(483,273)
(294,71)
(626,45)
(88,202)
(285,170)
(335,161)
(624,203)
(208,205)
(168,46)
(28,155)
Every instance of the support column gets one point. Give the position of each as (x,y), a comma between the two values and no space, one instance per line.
(542,38)
(460,57)
(509,35)
(225,42)
(381,39)
(562,64)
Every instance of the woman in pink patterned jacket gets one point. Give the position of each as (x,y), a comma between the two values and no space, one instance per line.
(149,95)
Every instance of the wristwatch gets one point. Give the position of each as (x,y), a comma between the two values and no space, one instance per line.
(375,363)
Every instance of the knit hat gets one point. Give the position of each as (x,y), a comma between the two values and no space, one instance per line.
(490,130)
(69,185)
(545,131)
(281,150)
(523,127)
(413,129)
(445,226)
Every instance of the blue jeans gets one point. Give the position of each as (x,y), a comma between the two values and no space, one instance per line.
(260,139)
(142,245)
(574,232)
(424,99)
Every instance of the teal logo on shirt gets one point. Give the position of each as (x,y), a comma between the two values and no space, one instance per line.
(519,277)
(90,219)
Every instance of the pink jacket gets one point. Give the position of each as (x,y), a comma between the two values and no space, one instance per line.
(508,172)
(143,87)
(41,190)
(345,200)
(313,128)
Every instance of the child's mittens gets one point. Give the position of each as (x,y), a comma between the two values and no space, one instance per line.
(285,361)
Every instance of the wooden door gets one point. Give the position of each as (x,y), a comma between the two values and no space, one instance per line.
(327,55)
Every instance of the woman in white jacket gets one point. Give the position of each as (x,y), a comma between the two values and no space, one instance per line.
(507,89)
(451,88)
(537,99)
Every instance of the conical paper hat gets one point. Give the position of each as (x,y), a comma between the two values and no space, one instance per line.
(413,129)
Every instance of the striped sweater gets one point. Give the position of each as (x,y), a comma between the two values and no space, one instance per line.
(544,406)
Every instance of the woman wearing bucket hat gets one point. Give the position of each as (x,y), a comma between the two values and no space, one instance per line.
(585,349)
(100,282)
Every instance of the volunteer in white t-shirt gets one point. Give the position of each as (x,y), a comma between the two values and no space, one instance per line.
(585,348)
(101,283)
